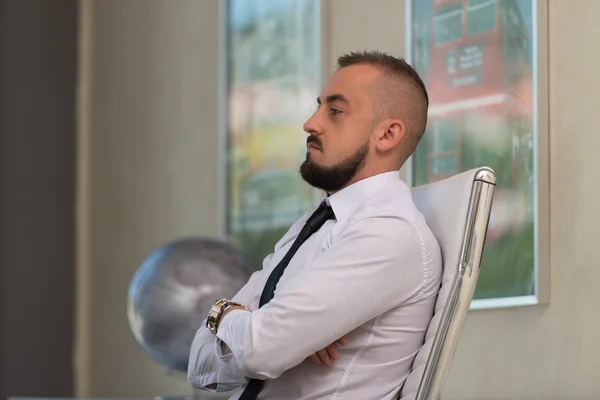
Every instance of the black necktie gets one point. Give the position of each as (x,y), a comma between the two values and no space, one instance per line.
(314,222)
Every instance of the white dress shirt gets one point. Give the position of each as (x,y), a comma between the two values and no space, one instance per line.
(372,273)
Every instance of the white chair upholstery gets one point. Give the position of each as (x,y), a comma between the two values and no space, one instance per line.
(457,210)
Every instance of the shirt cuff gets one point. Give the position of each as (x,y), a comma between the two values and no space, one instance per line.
(226,355)
(231,331)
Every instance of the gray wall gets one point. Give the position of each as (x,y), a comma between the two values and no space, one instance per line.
(148,166)
(37,166)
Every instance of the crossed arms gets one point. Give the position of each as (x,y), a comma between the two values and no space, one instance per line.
(374,266)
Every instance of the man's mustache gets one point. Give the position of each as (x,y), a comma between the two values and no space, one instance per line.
(315,141)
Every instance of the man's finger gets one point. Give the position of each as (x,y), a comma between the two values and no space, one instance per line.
(332,351)
(324,356)
(343,340)
(315,358)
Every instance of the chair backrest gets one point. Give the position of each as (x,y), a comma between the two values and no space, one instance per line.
(457,210)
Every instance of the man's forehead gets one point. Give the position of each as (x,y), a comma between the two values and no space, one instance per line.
(359,74)
(351,81)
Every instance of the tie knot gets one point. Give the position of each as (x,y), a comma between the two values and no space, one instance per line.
(321,214)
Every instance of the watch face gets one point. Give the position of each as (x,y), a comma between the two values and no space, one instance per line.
(211,324)
(213,315)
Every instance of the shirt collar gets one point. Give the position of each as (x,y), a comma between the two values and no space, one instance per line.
(344,201)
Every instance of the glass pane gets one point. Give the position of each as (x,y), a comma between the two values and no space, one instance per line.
(464,65)
(447,165)
(448,24)
(517,49)
(273,63)
(481,16)
(444,136)
(485,85)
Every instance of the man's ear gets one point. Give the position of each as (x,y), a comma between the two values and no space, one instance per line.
(391,133)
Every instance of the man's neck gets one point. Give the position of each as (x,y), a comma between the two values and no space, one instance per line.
(361,175)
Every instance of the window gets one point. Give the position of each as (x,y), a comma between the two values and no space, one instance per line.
(273,74)
(494,124)
(444,136)
(516,43)
(448,24)
(481,16)
(444,148)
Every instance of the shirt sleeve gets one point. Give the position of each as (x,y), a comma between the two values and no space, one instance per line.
(208,367)
(375,266)
(207,370)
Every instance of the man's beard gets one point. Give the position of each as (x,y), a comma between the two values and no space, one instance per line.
(335,177)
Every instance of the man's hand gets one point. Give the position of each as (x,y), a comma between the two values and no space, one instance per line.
(329,353)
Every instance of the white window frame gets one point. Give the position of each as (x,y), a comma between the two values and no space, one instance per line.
(541,294)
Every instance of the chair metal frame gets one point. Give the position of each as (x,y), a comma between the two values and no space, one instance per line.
(463,286)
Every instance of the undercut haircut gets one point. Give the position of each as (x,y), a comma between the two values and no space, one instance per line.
(398,94)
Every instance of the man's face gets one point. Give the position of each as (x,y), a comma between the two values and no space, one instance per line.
(339,141)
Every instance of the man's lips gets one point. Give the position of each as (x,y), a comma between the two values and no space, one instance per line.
(312,146)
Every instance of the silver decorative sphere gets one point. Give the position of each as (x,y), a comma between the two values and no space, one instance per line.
(173,290)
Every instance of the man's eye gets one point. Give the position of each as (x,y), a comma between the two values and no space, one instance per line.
(334,111)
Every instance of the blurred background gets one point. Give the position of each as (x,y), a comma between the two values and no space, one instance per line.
(149,153)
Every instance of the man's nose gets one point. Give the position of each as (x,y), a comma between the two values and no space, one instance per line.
(312,125)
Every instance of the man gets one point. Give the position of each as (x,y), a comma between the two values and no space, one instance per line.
(341,307)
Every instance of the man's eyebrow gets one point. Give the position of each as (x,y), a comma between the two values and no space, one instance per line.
(334,97)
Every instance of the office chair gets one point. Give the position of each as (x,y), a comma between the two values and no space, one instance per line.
(457,210)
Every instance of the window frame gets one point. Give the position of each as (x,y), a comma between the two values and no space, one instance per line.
(539,62)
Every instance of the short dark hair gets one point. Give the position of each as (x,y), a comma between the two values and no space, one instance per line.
(403,79)
(388,63)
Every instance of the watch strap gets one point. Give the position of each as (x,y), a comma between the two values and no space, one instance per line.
(217,311)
